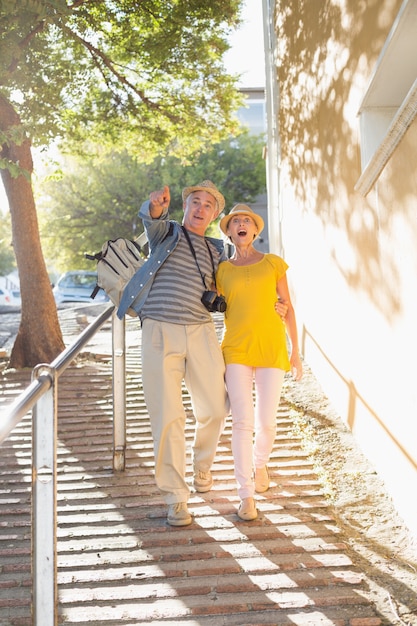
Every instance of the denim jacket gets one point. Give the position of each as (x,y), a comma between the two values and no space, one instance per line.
(163,236)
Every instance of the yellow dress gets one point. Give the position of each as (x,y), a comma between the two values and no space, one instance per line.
(254,333)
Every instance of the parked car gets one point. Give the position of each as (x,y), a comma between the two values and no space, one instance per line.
(5,297)
(10,297)
(77,286)
(16,299)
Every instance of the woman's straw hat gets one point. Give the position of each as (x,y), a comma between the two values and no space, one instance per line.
(241,209)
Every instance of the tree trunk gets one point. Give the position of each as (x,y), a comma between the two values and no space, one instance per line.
(39,339)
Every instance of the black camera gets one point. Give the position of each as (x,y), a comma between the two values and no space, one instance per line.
(213,302)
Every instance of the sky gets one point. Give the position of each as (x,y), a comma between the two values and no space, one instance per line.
(246,57)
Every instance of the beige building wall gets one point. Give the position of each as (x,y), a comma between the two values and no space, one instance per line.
(353,258)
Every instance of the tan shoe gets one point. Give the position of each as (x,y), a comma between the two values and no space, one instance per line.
(178,514)
(247,509)
(203,481)
(261,479)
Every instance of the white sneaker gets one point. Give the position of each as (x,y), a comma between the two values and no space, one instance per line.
(247,510)
(178,514)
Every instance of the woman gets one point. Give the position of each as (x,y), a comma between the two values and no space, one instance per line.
(255,349)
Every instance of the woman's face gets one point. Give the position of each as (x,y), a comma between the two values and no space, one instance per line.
(242,229)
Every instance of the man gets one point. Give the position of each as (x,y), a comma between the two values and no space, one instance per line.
(179,341)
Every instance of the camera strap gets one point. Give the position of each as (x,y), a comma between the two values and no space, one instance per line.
(187,236)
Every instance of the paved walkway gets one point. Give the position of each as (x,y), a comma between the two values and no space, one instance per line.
(118,560)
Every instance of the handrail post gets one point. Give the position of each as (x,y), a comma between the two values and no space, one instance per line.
(44,502)
(119,393)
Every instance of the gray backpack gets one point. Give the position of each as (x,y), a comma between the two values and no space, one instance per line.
(117,262)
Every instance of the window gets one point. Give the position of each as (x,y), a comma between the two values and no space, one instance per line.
(390,103)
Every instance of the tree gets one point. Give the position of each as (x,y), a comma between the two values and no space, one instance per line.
(99,198)
(147,75)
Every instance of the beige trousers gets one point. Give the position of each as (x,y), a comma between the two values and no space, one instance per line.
(171,354)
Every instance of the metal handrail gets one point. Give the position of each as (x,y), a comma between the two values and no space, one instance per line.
(10,417)
(41,396)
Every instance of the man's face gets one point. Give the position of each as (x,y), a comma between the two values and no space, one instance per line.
(200,208)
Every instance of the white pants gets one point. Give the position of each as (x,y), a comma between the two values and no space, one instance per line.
(172,353)
(247,419)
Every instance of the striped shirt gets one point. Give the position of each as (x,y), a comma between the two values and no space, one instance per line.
(177,288)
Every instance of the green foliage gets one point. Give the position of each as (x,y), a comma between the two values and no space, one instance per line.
(7,258)
(98,198)
(235,165)
(13,135)
(93,199)
(147,75)
(14,168)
